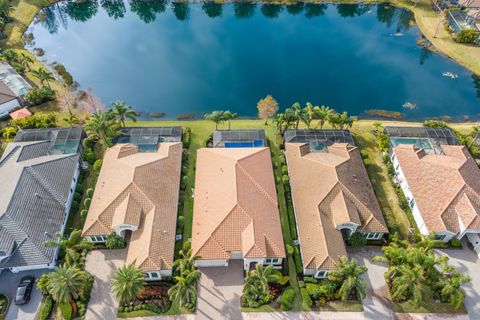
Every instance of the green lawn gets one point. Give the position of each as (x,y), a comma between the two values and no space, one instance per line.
(339,306)
(135,314)
(264,308)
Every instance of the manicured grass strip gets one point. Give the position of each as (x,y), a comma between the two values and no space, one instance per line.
(264,308)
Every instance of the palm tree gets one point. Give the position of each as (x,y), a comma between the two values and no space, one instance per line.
(215,116)
(66,283)
(186,262)
(309,113)
(297,113)
(349,274)
(280,121)
(71,119)
(123,111)
(256,287)
(475,133)
(451,285)
(185,290)
(410,283)
(103,125)
(43,75)
(72,247)
(127,282)
(25,60)
(228,116)
(335,120)
(323,114)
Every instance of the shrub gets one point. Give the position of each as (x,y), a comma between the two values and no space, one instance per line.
(467,36)
(298,261)
(83,213)
(89,156)
(364,154)
(46,308)
(382,142)
(89,192)
(89,142)
(87,202)
(181,222)
(434,124)
(290,250)
(40,95)
(114,241)
(285,179)
(310,280)
(77,196)
(284,169)
(357,240)
(65,311)
(306,297)
(456,243)
(36,121)
(416,236)
(386,158)
(286,299)
(314,290)
(97,165)
(82,308)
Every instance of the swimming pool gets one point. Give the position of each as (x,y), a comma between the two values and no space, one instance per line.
(423,143)
(244,144)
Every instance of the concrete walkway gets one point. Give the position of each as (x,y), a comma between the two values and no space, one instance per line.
(101,264)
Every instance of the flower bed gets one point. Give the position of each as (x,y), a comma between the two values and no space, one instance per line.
(153,298)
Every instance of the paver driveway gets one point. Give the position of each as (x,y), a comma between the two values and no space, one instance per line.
(219,292)
(101,264)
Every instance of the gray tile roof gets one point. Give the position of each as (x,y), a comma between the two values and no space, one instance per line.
(34,188)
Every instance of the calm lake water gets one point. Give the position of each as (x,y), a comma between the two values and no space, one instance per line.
(194,58)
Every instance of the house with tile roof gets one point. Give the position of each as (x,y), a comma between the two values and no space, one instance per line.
(136,197)
(12,88)
(332,196)
(442,188)
(235,214)
(37,184)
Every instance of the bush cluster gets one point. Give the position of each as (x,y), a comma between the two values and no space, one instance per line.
(46,308)
(66,311)
(306,297)
(286,299)
(467,36)
(357,239)
(114,241)
(40,95)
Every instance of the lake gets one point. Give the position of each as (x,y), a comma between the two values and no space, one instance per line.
(193,58)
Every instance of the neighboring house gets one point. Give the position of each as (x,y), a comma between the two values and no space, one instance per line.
(235,214)
(441,182)
(136,197)
(12,88)
(20,114)
(332,196)
(37,183)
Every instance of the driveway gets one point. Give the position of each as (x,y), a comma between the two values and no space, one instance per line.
(101,264)
(219,292)
(8,286)
(375,305)
(467,262)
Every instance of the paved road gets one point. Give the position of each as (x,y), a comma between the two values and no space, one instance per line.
(8,286)
(102,264)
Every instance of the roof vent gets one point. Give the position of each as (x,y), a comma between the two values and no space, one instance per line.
(37,195)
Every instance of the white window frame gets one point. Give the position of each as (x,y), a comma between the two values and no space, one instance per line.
(440,237)
(272,260)
(98,238)
(374,235)
(321,274)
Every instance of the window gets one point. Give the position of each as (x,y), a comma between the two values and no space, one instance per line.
(411,203)
(272,260)
(322,274)
(373,235)
(440,236)
(100,238)
(154,274)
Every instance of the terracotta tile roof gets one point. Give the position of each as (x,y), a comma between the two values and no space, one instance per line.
(140,189)
(20,114)
(330,188)
(446,187)
(236,206)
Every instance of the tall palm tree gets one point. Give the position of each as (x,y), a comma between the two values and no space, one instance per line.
(215,116)
(309,114)
(297,113)
(66,284)
(323,114)
(410,283)
(123,111)
(185,290)
(72,247)
(43,75)
(335,120)
(103,125)
(127,282)
(349,274)
(228,116)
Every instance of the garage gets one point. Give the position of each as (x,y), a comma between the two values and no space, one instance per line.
(211,263)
